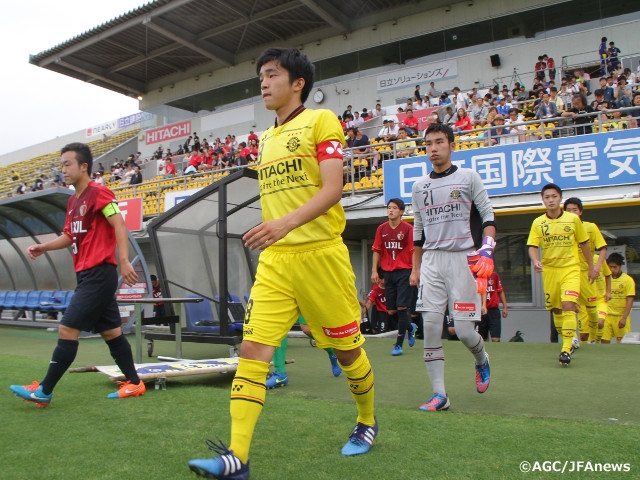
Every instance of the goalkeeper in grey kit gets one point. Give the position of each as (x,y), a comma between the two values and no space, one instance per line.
(454,236)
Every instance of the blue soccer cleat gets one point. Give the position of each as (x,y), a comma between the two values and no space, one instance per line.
(397,350)
(335,368)
(412,334)
(277,380)
(226,466)
(483,376)
(32,393)
(360,439)
(436,403)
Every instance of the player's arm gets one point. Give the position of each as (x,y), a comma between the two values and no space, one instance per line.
(607,282)
(418,241)
(586,251)
(374,267)
(627,311)
(601,258)
(505,308)
(267,233)
(63,241)
(535,261)
(114,217)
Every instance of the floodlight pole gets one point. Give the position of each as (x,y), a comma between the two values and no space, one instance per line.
(222,260)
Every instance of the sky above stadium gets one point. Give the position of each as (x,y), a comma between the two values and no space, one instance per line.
(37,104)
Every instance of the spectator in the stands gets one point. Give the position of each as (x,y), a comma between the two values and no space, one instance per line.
(479,113)
(128,174)
(252,136)
(364,115)
(419,105)
(22,189)
(365,149)
(100,168)
(449,117)
(463,122)
(136,178)
(433,92)
(253,151)
(346,112)
(459,98)
(515,130)
(497,133)
(180,150)
(411,123)
(555,98)
(444,100)
(391,133)
(99,179)
(194,162)
(357,119)
(634,115)
(242,157)
(607,91)
(601,105)
(405,147)
(503,107)
(378,111)
(551,66)
(622,93)
(196,142)
(159,153)
(580,107)
(169,168)
(546,109)
(540,68)
(416,93)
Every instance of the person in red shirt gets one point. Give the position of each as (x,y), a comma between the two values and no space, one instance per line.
(393,253)
(377,302)
(93,227)
(491,322)
(194,163)
(252,136)
(169,168)
(253,151)
(463,122)
(411,122)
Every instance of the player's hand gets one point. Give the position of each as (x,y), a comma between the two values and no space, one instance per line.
(622,323)
(374,278)
(592,274)
(481,282)
(481,285)
(600,324)
(483,310)
(265,234)
(607,296)
(129,275)
(483,267)
(34,251)
(414,279)
(505,312)
(537,266)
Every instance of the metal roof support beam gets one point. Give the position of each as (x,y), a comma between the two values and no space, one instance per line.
(112,31)
(329,17)
(86,70)
(194,43)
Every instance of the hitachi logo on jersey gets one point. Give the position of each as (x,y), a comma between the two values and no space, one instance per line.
(448,208)
(556,238)
(280,168)
(76,227)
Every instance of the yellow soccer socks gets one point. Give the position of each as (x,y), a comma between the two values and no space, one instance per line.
(360,380)
(248,392)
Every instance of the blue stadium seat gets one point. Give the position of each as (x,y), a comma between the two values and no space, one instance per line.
(3,294)
(10,299)
(246,297)
(33,300)
(200,312)
(55,301)
(20,302)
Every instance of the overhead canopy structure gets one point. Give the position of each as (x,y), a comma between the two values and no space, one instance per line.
(198,243)
(132,53)
(38,217)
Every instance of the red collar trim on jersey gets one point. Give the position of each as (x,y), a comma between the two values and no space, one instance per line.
(291,116)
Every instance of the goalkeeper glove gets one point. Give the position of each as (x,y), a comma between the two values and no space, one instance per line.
(484,266)
(481,282)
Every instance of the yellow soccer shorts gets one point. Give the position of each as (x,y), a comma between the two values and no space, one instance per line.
(588,294)
(314,280)
(560,285)
(602,307)
(611,330)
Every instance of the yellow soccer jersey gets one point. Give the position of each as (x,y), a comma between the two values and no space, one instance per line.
(596,242)
(600,283)
(558,239)
(621,288)
(289,172)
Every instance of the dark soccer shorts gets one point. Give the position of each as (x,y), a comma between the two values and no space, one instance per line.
(93,307)
(398,292)
(491,323)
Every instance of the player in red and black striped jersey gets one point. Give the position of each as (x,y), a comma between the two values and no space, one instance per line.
(93,228)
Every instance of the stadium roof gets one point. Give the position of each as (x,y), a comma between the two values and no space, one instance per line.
(171,37)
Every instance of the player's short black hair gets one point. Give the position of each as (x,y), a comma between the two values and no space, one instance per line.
(573,201)
(440,127)
(550,186)
(153,278)
(83,154)
(295,62)
(616,258)
(398,201)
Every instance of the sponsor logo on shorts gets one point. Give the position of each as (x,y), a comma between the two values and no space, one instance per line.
(464,307)
(592,299)
(571,293)
(342,331)
(247,330)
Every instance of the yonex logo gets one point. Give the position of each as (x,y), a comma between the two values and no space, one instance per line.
(237,388)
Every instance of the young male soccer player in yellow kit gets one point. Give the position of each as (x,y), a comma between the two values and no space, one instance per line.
(623,291)
(303,262)
(587,311)
(603,295)
(559,234)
